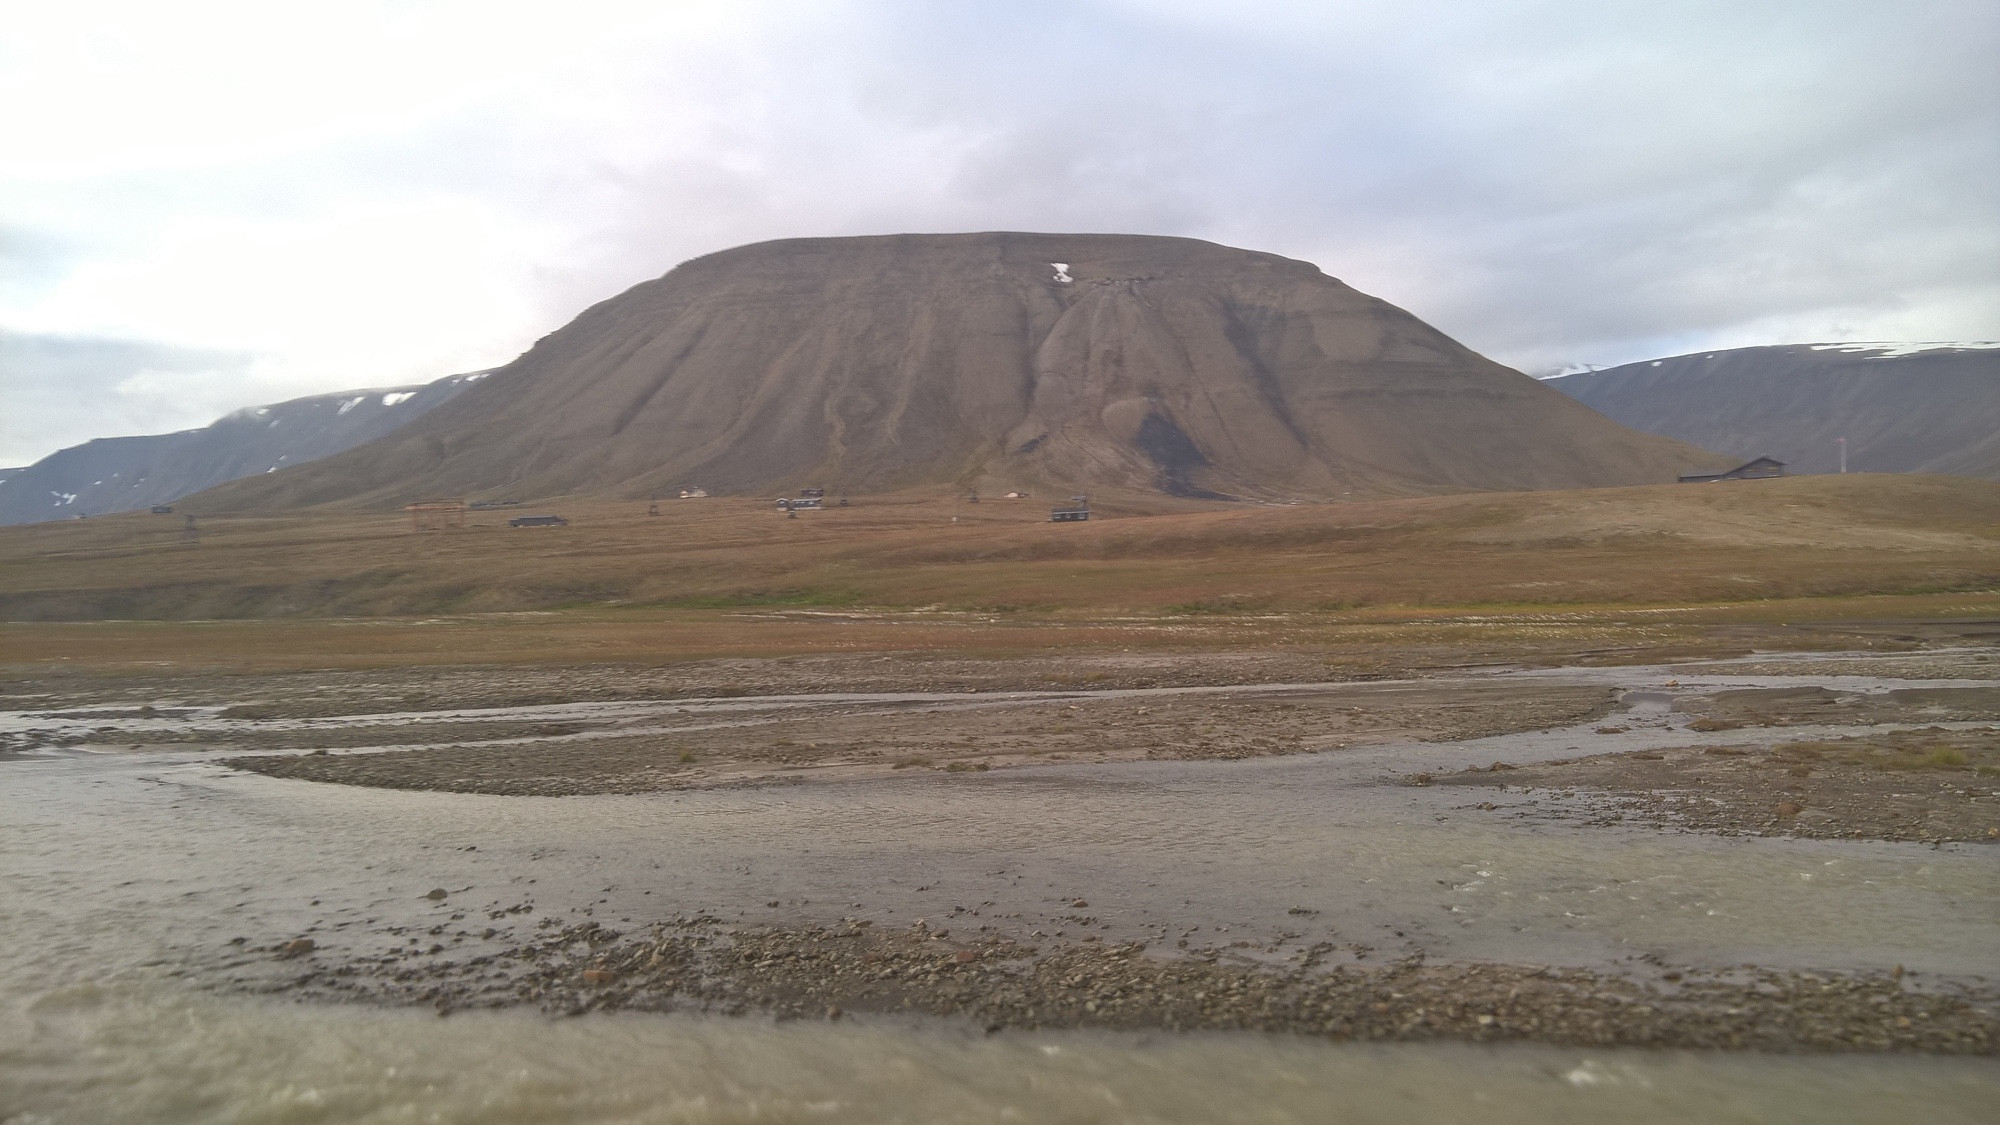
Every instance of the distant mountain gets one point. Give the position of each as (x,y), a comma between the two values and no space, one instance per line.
(124,473)
(1903,408)
(993,361)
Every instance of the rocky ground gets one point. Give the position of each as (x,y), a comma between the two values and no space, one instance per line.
(874,739)
(1737,708)
(1931,784)
(1914,666)
(828,971)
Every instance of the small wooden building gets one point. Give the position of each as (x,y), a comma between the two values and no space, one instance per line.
(436,514)
(1763,468)
(1077,512)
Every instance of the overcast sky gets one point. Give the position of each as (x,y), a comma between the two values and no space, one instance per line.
(205,205)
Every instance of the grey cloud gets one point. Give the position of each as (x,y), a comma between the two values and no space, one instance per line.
(31,257)
(1548,180)
(62,391)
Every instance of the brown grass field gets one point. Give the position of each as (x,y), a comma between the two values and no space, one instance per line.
(915,572)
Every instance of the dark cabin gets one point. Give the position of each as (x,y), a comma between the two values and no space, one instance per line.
(1077,512)
(1763,468)
(538,521)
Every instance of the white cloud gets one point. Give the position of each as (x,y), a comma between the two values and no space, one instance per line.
(356,193)
(61,390)
(132,84)
(392,288)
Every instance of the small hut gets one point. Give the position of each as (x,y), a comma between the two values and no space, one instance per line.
(436,514)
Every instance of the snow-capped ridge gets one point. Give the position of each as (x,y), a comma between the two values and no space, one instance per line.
(127,473)
(1890,350)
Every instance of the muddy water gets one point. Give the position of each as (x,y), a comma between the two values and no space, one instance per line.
(143,1054)
(125,878)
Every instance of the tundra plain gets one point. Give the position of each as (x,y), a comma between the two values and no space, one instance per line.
(1186,766)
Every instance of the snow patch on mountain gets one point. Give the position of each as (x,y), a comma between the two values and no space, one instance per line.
(128,473)
(1885,350)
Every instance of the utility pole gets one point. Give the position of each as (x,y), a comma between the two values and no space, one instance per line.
(1843,453)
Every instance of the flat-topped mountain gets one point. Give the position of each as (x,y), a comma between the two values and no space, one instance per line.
(121,474)
(1903,408)
(991,361)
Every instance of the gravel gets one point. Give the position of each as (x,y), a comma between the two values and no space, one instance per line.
(699,964)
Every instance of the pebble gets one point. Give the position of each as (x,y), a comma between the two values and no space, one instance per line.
(792,972)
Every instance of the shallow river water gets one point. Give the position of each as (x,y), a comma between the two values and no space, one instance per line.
(124,879)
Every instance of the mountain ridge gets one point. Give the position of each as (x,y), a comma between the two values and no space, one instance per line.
(119,474)
(992,361)
(1903,407)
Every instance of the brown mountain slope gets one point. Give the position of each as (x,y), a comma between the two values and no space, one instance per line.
(864,364)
